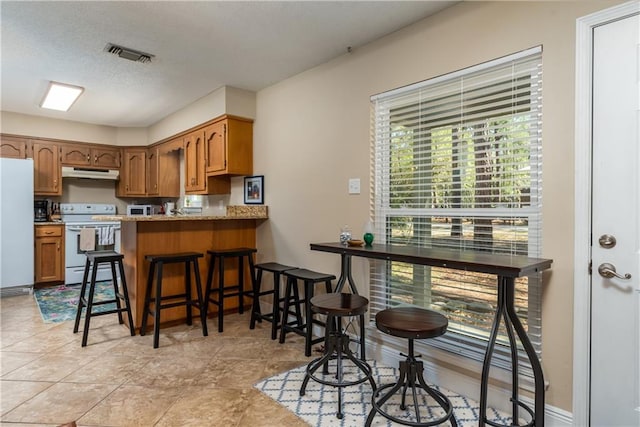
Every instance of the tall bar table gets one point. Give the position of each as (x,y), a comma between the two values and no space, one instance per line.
(505,267)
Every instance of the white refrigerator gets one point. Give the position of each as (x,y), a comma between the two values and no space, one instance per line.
(16,223)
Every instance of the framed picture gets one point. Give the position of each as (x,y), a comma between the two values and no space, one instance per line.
(254,190)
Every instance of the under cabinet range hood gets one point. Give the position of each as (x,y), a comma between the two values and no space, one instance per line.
(71,172)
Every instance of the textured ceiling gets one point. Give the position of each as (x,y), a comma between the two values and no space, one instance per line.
(198,47)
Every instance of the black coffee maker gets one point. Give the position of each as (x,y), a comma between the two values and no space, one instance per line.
(40,210)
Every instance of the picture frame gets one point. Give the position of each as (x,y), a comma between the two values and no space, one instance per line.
(254,190)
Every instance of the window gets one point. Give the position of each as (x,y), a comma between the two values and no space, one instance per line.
(457,164)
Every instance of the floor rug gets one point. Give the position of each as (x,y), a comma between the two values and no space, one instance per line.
(60,303)
(319,405)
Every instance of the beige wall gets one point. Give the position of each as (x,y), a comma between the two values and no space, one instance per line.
(312,135)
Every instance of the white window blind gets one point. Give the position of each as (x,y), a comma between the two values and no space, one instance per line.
(457,163)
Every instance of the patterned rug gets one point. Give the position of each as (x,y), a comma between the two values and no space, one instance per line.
(60,303)
(319,405)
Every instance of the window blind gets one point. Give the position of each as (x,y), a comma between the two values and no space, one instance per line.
(457,163)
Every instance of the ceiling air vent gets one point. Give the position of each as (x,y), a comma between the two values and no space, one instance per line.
(130,54)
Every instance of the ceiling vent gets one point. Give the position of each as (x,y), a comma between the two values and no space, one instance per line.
(130,54)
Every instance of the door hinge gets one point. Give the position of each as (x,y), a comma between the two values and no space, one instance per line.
(590,267)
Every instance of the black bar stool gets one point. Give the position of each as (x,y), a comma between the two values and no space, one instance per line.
(94,259)
(335,307)
(157,262)
(411,323)
(256,313)
(293,301)
(229,291)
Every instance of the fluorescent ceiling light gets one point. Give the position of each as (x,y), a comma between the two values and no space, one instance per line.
(61,96)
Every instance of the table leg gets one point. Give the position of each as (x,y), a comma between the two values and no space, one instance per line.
(506,309)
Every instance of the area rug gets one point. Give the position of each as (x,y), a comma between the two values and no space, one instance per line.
(60,303)
(319,405)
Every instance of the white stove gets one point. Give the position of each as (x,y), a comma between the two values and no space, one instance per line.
(77,216)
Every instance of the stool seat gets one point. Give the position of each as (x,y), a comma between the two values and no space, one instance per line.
(93,260)
(411,322)
(339,304)
(274,267)
(304,274)
(233,251)
(170,258)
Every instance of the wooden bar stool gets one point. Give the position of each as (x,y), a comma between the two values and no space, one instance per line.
(292,301)
(94,259)
(411,323)
(256,313)
(335,307)
(190,259)
(229,291)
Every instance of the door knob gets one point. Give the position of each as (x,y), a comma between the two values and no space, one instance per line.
(608,271)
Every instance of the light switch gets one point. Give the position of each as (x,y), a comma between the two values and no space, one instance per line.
(354,185)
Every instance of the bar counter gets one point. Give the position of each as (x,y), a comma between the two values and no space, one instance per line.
(160,234)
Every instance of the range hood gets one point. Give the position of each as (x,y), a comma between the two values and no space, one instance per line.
(71,172)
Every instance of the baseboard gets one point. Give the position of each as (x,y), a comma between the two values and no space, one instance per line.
(16,291)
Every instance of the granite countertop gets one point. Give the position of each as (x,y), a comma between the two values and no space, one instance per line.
(48,223)
(233,212)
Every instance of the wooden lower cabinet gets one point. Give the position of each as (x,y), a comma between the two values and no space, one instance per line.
(49,253)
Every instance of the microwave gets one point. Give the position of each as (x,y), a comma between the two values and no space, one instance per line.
(143,210)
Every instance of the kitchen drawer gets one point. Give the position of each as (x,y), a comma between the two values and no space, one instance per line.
(49,231)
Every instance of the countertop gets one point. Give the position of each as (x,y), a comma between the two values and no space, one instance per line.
(48,223)
(233,213)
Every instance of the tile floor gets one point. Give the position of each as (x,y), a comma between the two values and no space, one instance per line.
(47,378)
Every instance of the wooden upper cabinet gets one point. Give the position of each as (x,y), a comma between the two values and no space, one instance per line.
(229,146)
(88,156)
(163,169)
(133,173)
(47,172)
(14,147)
(194,163)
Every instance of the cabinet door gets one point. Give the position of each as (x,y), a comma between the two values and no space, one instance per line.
(216,143)
(75,155)
(49,250)
(153,167)
(13,147)
(194,148)
(47,171)
(105,157)
(134,172)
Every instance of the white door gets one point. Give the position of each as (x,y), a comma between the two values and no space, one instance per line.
(615,310)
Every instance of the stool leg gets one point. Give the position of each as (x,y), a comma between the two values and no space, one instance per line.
(201,303)
(207,290)
(114,276)
(147,298)
(285,309)
(87,316)
(275,311)
(308,335)
(156,311)
(255,306)
(187,291)
(125,294)
(240,284)
(83,288)
(220,293)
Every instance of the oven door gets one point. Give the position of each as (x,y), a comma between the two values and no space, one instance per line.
(75,258)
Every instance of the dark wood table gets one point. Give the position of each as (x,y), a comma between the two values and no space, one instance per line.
(505,267)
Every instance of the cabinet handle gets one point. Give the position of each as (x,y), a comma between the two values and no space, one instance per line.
(95,159)
(49,232)
(88,158)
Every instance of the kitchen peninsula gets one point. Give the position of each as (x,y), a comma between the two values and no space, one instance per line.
(163,234)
